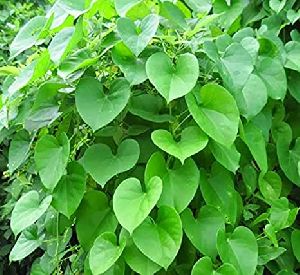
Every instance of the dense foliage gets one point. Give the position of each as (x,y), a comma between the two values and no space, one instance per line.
(153,137)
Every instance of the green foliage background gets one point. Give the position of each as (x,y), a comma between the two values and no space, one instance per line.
(150,137)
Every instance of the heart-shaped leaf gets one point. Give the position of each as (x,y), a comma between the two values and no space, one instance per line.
(204,266)
(165,235)
(102,165)
(97,108)
(51,158)
(132,204)
(172,81)
(94,217)
(179,184)
(28,210)
(137,38)
(70,189)
(239,249)
(202,232)
(215,111)
(104,253)
(192,140)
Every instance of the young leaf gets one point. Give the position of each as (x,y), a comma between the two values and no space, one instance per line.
(164,236)
(28,210)
(94,217)
(179,183)
(215,111)
(132,204)
(51,157)
(172,81)
(137,38)
(202,231)
(239,249)
(105,251)
(92,103)
(102,165)
(192,140)
(70,189)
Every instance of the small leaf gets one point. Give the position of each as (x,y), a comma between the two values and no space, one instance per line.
(192,140)
(70,189)
(215,111)
(51,154)
(164,236)
(97,108)
(28,210)
(105,251)
(137,39)
(172,81)
(102,165)
(270,185)
(132,204)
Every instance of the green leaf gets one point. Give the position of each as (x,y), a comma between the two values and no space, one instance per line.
(97,108)
(292,49)
(27,242)
(192,140)
(106,251)
(215,111)
(102,165)
(27,36)
(74,8)
(123,6)
(179,183)
(204,266)
(93,217)
(172,81)
(273,75)
(281,215)
(136,38)
(270,185)
(254,139)
(132,203)
(218,191)
(18,150)
(134,68)
(199,6)
(239,249)
(229,157)
(64,42)
(164,236)
(69,191)
(28,210)
(295,239)
(267,252)
(289,158)
(51,154)
(137,260)
(277,5)
(149,107)
(202,231)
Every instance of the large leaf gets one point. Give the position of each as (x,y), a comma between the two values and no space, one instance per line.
(28,210)
(132,203)
(163,236)
(98,108)
(172,81)
(51,157)
(192,140)
(70,189)
(94,217)
(27,36)
(295,239)
(104,251)
(137,38)
(202,231)
(179,183)
(239,249)
(215,111)
(18,150)
(102,165)
(123,6)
